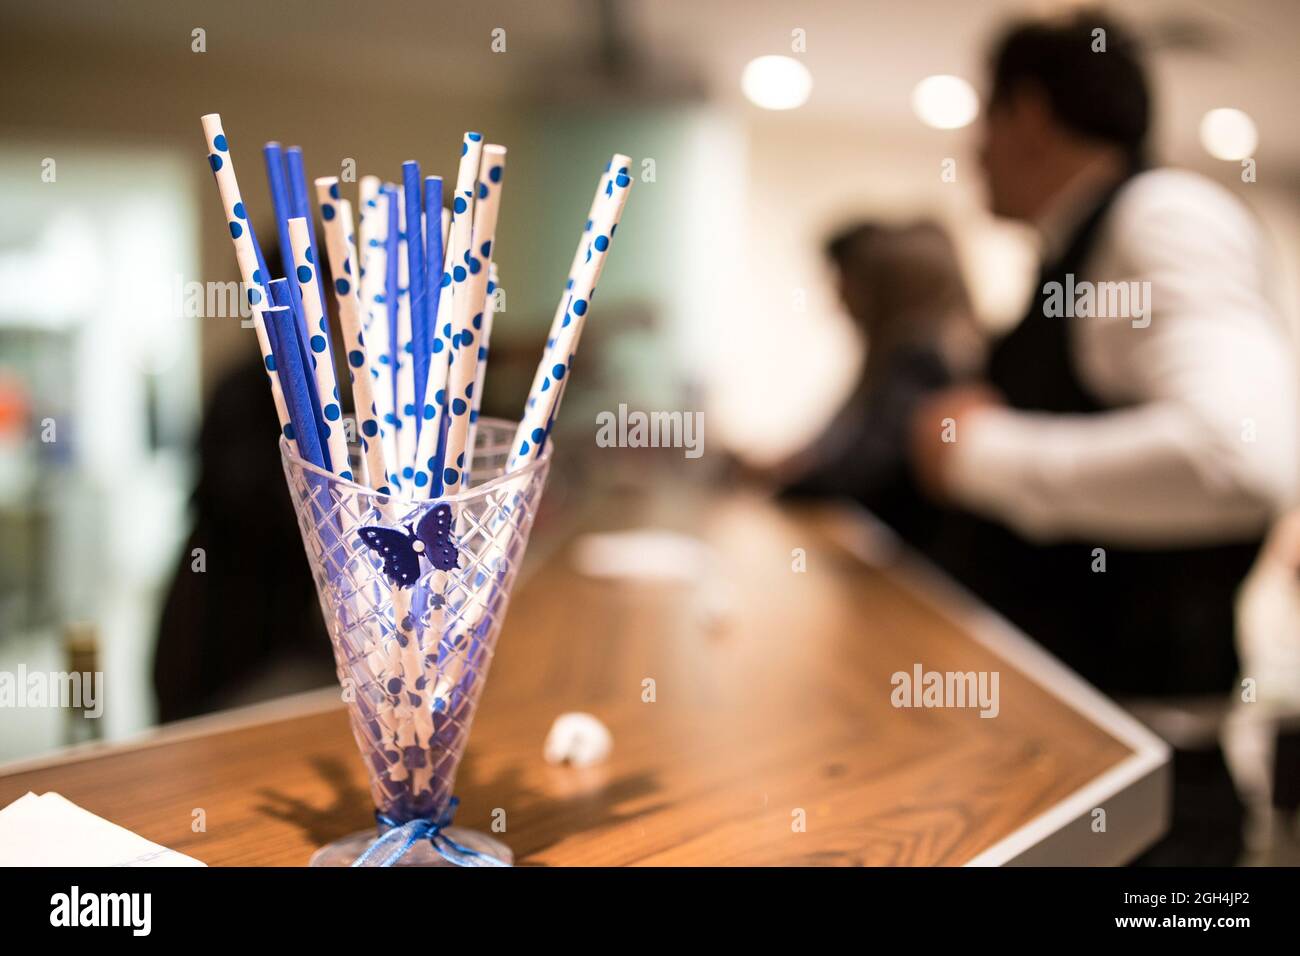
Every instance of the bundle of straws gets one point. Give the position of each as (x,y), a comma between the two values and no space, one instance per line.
(415,313)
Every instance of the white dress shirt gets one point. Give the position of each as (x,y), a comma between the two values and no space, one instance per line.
(1201,443)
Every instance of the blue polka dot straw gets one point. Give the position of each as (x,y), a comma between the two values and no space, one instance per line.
(495,556)
(322,358)
(484,338)
(430,451)
(543,401)
(342,255)
(467,308)
(246,256)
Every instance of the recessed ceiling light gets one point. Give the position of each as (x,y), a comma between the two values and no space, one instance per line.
(1228,134)
(776,82)
(945,102)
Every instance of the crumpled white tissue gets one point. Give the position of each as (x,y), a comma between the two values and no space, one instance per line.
(577,739)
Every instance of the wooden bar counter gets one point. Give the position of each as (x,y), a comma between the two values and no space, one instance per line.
(771,738)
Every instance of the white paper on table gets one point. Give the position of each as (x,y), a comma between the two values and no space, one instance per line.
(51,830)
(650,554)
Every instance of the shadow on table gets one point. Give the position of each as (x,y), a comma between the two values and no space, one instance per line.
(547,817)
(349,811)
(540,819)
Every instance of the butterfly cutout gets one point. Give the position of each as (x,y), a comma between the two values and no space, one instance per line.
(401,551)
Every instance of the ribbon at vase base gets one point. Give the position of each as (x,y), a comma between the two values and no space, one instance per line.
(397,839)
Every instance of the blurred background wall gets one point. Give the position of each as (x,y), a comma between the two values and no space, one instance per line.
(718,298)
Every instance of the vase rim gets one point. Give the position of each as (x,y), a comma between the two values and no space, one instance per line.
(486,488)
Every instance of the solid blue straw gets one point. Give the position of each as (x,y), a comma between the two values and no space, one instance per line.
(440,456)
(301,205)
(433,245)
(293,382)
(279,291)
(294,376)
(415,270)
(432,272)
(275,176)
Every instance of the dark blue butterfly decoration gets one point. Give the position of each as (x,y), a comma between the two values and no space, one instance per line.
(401,550)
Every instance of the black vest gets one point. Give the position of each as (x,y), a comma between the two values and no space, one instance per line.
(1155,622)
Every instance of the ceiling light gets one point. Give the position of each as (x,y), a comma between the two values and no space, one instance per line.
(776,82)
(1228,134)
(945,102)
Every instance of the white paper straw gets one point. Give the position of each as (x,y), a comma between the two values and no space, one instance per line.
(453,289)
(467,308)
(336,213)
(223,169)
(411,726)
(588,260)
(484,345)
(493,553)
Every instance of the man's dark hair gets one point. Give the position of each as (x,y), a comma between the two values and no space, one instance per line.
(842,247)
(1101,95)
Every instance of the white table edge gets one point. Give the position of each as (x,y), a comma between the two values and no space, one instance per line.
(1135,792)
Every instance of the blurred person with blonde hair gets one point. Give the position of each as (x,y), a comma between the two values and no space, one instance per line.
(902,287)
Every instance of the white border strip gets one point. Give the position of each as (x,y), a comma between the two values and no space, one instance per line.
(302,704)
(868,539)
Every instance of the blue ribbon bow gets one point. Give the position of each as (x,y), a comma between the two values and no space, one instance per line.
(398,838)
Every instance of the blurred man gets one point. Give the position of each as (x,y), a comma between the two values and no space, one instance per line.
(1141,425)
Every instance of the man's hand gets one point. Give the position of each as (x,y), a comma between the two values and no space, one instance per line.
(935,428)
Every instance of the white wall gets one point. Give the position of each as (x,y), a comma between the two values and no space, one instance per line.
(787,370)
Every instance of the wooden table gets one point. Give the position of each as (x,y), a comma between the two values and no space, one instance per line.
(772,709)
